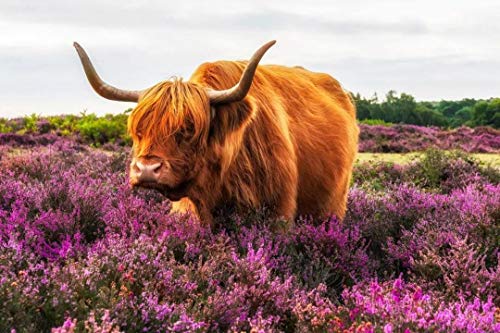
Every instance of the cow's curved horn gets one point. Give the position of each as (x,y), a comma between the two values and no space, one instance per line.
(101,87)
(240,90)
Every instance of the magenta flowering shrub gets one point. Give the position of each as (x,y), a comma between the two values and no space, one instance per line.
(443,270)
(434,170)
(80,251)
(396,306)
(404,220)
(373,138)
(408,138)
(17,140)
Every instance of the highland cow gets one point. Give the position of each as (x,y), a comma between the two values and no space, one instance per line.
(253,136)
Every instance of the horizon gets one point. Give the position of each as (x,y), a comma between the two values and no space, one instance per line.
(126,110)
(447,53)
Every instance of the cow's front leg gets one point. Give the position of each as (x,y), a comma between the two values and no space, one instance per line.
(204,213)
(185,205)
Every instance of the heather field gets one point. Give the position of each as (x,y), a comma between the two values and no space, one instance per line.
(111,129)
(417,252)
(410,138)
(404,158)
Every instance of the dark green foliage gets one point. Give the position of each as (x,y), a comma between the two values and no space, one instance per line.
(405,110)
(487,113)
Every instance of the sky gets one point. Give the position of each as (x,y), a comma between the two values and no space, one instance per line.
(433,50)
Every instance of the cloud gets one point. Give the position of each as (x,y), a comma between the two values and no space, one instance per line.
(433,78)
(423,48)
(160,15)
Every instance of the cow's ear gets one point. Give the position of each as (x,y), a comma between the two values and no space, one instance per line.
(230,118)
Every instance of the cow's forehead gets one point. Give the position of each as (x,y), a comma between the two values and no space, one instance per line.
(168,108)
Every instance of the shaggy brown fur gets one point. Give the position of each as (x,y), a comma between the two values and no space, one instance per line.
(289,145)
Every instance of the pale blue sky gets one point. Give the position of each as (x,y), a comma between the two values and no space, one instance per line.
(431,49)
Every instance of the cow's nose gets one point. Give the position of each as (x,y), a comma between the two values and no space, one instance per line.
(147,172)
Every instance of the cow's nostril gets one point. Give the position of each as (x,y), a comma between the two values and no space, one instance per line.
(157,168)
(139,166)
(136,169)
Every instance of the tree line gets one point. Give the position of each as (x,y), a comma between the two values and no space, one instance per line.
(403,108)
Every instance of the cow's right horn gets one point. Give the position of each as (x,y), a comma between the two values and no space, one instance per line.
(240,90)
(101,87)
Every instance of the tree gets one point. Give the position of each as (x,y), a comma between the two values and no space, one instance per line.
(493,113)
(367,108)
(404,109)
(487,113)
(363,106)
(462,116)
(430,117)
(450,108)
(399,109)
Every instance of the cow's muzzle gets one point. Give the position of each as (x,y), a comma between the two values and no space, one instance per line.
(145,173)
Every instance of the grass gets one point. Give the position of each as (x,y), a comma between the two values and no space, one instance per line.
(491,159)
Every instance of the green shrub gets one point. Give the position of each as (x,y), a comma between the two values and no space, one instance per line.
(64,125)
(374,122)
(30,123)
(101,130)
(5,126)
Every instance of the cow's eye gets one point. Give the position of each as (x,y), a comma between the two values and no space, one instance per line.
(179,137)
(188,129)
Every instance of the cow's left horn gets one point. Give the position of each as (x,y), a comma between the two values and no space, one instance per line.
(101,87)
(240,90)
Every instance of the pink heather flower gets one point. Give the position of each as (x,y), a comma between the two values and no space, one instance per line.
(417,295)
(70,222)
(68,326)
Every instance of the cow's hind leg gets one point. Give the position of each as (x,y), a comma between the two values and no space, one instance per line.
(337,201)
(286,202)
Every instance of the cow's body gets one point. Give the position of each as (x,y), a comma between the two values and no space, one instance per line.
(241,134)
(293,147)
